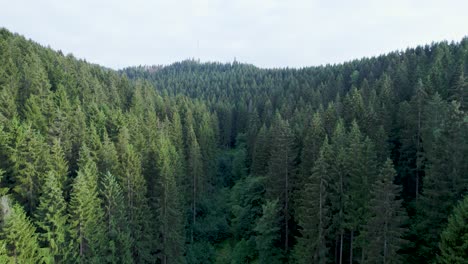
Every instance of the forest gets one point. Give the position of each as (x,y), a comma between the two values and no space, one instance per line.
(359,162)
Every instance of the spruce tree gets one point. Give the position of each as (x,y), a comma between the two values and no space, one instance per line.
(52,220)
(445,182)
(454,239)
(170,216)
(19,235)
(339,188)
(28,158)
(361,170)
(195,180)
(384,229)
(58,165)
(261,153)
(117,233)
(86,215)
(268,230)
(314,212)
(135,190)
(280,171)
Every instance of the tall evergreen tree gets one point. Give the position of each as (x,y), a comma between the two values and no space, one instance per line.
(361,170)
(261,153)
(280,171)
(194,171)
(169,204)
(52,220)
(384,230)
(86,215)
(19,235)
(314,211)
(454,243)
(117,233)
(28,158)
(268,239)
(135,190)
(339,188)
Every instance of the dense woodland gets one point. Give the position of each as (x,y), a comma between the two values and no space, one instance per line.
(360,162)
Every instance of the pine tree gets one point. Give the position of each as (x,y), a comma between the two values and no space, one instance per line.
(261,153)
(312,142)
(459,91)
(58,165)
(339,188)
(445,182)
(361,169)
(107,157)
(117,233)
(384,230)
(194,171)
(280,171)
(169,210)
(19,235)
(52,219)
(207,141)
(135,190)
(314,211)
(454,239)
(28,158)
(86,215)
(269,234)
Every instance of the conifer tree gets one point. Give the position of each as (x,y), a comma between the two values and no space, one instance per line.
(312,142)
(194,170)
(19,235)
(117,233)
(454,243)
(135,190)
(52,219)
(169,210)
(107,157)
(384,230)
(361,170)
(280,171)
(459,91)
(314,211)
(28,158)
(269,233)
(86,215)
(339,188)
(58,165)
(261,153)
(445,182)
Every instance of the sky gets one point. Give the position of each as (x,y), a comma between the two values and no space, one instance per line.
(266,33)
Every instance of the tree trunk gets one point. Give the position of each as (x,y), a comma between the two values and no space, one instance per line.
(351,247)
(194,206)
(286,207)
(336,249)
(341,247)
(417,154)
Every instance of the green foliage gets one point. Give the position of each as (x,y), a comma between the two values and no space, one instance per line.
(19,240)
(314,211)
(174,164)
(86,214)
(52,220)
(384,230)
(454,239)
(269,234)
(117,233)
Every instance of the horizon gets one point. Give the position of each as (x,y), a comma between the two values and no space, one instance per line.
(267,34)
(56,49)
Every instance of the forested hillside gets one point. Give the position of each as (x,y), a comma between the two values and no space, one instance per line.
(360,162)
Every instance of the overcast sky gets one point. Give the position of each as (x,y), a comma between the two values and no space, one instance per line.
(276,33)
